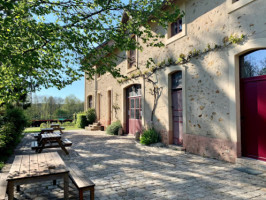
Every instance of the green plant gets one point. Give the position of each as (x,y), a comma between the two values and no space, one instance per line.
(235,39)
(68,124)
(81,120)
(114,128)
(91,115)
(149,136)
(43,125)
(12,123)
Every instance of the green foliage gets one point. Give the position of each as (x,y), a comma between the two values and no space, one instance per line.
(12,123)
(81,120)
(68,124)
(114,128)
(43,125)
(235,39)
(37,53)
(91,115)
(149,136)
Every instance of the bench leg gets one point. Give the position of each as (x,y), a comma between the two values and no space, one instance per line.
(92,193)
(54,182)
(18,188)
(62,146)
(10,190)
(80,194)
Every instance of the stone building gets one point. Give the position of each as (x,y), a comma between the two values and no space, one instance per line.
(213,105)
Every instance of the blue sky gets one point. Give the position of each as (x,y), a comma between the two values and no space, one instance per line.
(77,89)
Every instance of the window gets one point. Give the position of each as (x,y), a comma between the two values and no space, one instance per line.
(176,27)
(132,56)
(253,64)
(233,5)
(90,101)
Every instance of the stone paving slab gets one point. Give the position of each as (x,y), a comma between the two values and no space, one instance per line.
(123,169)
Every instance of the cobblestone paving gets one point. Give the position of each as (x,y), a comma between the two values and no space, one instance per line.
(123,169)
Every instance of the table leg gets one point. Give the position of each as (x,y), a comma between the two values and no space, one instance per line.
(66,185)
(43,142)
(10,190)
(62,146)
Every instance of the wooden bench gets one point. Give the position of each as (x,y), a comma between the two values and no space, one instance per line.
(65,142)
(82,183)
(3,185)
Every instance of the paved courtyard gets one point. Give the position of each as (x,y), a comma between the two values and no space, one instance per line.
(123,169)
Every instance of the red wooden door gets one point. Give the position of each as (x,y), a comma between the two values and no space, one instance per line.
(177,112)
(177,109)
(253,117)
(134,108)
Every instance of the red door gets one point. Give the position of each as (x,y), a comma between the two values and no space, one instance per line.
(177,116)
(253,117)
(134,108)
(177,109)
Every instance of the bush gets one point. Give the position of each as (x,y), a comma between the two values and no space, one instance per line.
(12,123)
(91,115)
(113,128)
(68,124)
(149,137)
(81,120)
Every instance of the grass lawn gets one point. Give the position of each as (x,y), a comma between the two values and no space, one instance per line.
(37,129)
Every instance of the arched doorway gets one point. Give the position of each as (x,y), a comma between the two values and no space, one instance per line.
(177,108)
(253,104)
(134,109)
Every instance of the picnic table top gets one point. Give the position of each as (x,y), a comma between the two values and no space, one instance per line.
(50,136)
(47,129)
(36,165)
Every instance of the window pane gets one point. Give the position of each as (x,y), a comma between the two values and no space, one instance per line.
(132,114)
(137,113)
(253,64)
(132,103)
(177,80)
(137,103)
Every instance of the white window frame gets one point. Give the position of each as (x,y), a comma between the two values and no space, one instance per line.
(183,33)
(231,7)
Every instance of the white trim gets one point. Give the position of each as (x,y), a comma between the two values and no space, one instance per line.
(231,7)
(168,38)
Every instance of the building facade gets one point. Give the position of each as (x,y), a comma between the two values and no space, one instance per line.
(213,104)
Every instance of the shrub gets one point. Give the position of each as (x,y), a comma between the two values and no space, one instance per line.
(81,120)
(149,136)
(68,124)
(91,115)
(113,128)
(43,125)
(12,123)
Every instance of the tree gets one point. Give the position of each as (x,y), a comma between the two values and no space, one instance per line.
(42,40)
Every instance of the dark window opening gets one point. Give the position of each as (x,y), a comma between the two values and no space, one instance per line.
(176,27)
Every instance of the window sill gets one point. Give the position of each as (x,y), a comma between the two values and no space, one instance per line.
(176,37)
(231,7)
(134,68)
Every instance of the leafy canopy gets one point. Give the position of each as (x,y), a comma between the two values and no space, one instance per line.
(44,43)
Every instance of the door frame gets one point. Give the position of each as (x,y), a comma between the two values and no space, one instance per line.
(234,88)
(124,112)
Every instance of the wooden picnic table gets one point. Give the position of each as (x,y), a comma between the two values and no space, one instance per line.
(47,130)
(35,168)
(57,127)
(50,140)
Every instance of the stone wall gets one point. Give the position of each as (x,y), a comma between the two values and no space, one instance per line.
(206,78)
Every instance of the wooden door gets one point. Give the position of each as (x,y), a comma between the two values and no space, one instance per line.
(177,108)
(253,117)
(134,108)
(177,112)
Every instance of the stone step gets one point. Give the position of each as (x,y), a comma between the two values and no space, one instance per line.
(176,147)
(87,128)
(251,163)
